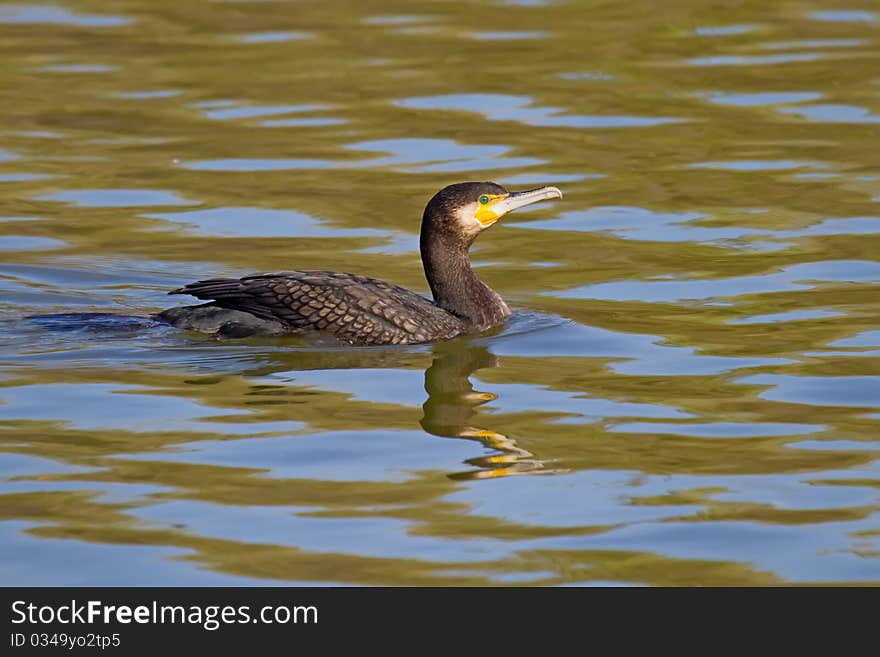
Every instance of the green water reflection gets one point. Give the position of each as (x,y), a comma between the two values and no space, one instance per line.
(693,369)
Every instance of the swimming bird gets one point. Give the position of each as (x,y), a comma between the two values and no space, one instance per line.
(367,311)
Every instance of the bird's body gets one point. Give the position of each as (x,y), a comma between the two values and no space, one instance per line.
(361,310)
(352,308)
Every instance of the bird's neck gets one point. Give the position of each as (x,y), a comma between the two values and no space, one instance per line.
(456,287)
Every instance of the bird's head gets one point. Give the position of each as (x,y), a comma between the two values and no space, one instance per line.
(467,209)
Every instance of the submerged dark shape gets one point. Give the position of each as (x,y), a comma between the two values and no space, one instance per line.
(368,311)
(101,323)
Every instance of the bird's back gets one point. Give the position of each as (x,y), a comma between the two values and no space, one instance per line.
(353,308)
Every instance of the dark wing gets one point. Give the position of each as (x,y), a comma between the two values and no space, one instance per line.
(355,308)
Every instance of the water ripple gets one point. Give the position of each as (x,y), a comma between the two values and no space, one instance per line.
(507,36)
(273,37)
(818,390)
(129,408)
(259,222)
(724,30)
(35,14)
(833,113)
(409,155)
(761,99)
(754,60)
(718,429)
(844,16)
(795,277)
(501,107)
(106,198)
(228,110)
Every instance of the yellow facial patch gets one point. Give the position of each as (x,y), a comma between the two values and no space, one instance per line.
(486,214)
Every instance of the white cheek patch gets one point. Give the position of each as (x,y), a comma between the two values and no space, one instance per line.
(465,217)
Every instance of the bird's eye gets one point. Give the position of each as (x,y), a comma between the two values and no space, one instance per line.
(484,199)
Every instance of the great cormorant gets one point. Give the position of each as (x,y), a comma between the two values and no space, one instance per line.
(368,311)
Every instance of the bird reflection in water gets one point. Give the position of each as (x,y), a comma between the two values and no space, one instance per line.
(448,412)
(450,409)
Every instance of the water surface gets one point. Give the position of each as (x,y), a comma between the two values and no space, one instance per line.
(688,394)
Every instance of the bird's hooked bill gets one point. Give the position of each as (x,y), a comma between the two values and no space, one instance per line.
(519,199)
